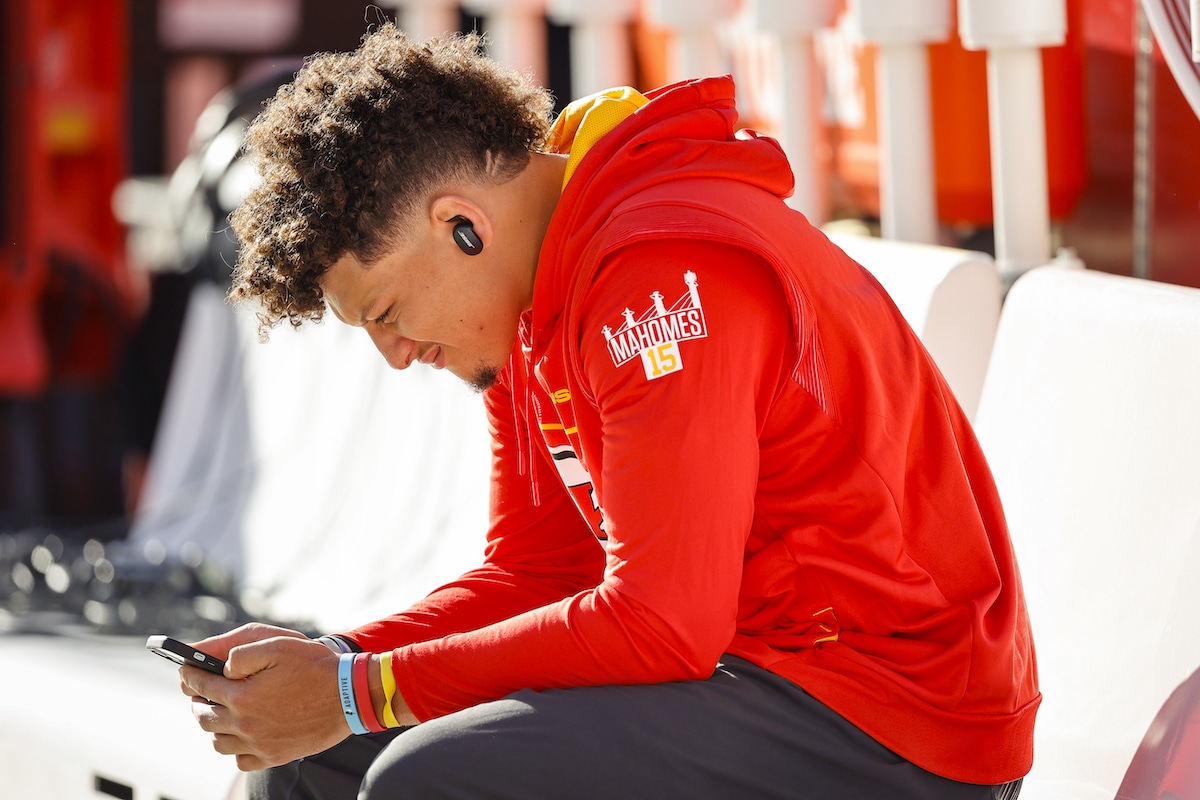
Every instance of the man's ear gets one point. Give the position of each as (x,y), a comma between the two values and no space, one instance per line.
(463,222)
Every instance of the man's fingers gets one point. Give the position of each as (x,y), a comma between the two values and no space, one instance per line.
(248,760)
(217,721)
(208,715)
(250,659)
(195,682)
(240,710)
(219,646)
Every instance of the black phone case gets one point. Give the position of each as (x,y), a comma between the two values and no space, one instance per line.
(180,653)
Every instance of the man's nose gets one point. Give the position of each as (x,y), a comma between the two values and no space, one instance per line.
(398,351)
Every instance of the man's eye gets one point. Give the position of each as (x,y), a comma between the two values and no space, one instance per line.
(382,318)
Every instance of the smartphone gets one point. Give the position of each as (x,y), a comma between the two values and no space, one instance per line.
(181,653)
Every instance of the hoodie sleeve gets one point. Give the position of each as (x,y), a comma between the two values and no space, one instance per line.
(678,471)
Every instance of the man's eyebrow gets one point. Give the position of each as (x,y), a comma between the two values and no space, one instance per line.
(363,319)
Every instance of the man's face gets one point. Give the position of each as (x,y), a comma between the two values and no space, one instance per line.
(426,301)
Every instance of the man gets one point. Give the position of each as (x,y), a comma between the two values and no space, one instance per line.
(743,541)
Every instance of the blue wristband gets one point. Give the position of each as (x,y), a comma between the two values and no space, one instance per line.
(346,692)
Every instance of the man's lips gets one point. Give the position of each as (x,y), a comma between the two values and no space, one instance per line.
(433,357)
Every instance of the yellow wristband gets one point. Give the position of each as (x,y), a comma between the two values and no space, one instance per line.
(389,690)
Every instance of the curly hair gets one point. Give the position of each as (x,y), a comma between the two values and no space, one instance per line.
(356,142)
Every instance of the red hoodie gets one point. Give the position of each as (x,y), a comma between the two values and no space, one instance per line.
(771,463)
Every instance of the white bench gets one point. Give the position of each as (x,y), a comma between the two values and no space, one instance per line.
(1090,417)
(335,489)
(332,486)
(100,718)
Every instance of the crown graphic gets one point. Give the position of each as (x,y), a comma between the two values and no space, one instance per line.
(658,324)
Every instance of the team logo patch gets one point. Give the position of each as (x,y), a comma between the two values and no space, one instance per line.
(656,333)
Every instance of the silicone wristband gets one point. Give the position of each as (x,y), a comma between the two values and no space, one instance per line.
(346,692)
(389,690)
(362,693)
(335,644)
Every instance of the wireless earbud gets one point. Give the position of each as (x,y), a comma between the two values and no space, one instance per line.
(465,236)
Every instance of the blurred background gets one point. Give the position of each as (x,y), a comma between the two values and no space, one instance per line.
(122,122)
(162,472)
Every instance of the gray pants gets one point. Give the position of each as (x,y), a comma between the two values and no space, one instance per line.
(743,733)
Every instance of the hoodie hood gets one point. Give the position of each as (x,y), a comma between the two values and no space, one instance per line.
(621,144)
(583,123)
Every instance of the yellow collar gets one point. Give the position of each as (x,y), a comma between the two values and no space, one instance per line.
(585,121)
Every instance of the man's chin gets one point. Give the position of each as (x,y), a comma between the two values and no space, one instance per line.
(483,378)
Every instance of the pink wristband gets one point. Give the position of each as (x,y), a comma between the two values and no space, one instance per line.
(362,694)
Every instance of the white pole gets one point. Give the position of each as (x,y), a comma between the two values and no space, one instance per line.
(1017,125)
(422,19)
(697,54)
(519,40)
(908,200)
(903,29)
(601,55)
(516,33)
(792,24)
(697,51)
(1196,31)
(1013,33)
(797,78)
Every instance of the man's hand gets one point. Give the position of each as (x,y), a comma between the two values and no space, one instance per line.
(277,702)
(221,644)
